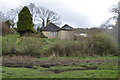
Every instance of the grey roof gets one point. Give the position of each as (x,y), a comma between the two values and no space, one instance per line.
(67,27)
(51,27)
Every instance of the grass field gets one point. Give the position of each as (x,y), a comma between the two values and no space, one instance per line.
(68,67)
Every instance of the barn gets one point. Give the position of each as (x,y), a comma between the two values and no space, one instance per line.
(51,30)
(64,33)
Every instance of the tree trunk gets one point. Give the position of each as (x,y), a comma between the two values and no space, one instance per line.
(43,23)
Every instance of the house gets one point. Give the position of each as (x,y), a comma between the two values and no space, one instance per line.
(66,33)
(53,31)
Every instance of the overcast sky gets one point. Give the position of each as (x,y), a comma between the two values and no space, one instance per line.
(76,13)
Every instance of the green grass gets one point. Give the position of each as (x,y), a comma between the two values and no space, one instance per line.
(41,73)
(104,70)
(25,73)
(66,67)
(91,57)
(88,74)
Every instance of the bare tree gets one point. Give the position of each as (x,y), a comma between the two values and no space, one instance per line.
(41,15)
(2,16)
(114,9)
(46,16)
(52,17)
(108,24)
(33,10)
(12,15)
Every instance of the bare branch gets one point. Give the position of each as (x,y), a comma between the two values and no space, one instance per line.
(47,15)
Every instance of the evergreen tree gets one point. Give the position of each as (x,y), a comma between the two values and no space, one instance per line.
(25,21)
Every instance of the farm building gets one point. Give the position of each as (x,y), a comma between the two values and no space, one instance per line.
(53,31)
(66,33)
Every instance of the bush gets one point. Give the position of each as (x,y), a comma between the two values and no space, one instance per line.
(102,44)
(99,44)
(30,46)
(16,45)
(9,44)
(66,48)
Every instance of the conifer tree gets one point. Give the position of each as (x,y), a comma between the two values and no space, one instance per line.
(25,21)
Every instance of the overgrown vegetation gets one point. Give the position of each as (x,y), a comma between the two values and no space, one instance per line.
(99,44)
(103,44)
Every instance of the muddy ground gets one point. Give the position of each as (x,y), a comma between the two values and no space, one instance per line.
(31,62)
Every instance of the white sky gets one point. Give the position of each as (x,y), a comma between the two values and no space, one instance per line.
(76,13)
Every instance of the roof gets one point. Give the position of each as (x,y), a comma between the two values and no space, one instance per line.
(67,27)
(51,27)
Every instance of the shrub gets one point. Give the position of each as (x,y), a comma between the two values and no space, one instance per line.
(15,45)
(102,44)
(30,46)
(9,44)
(99,44)
(65,48)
